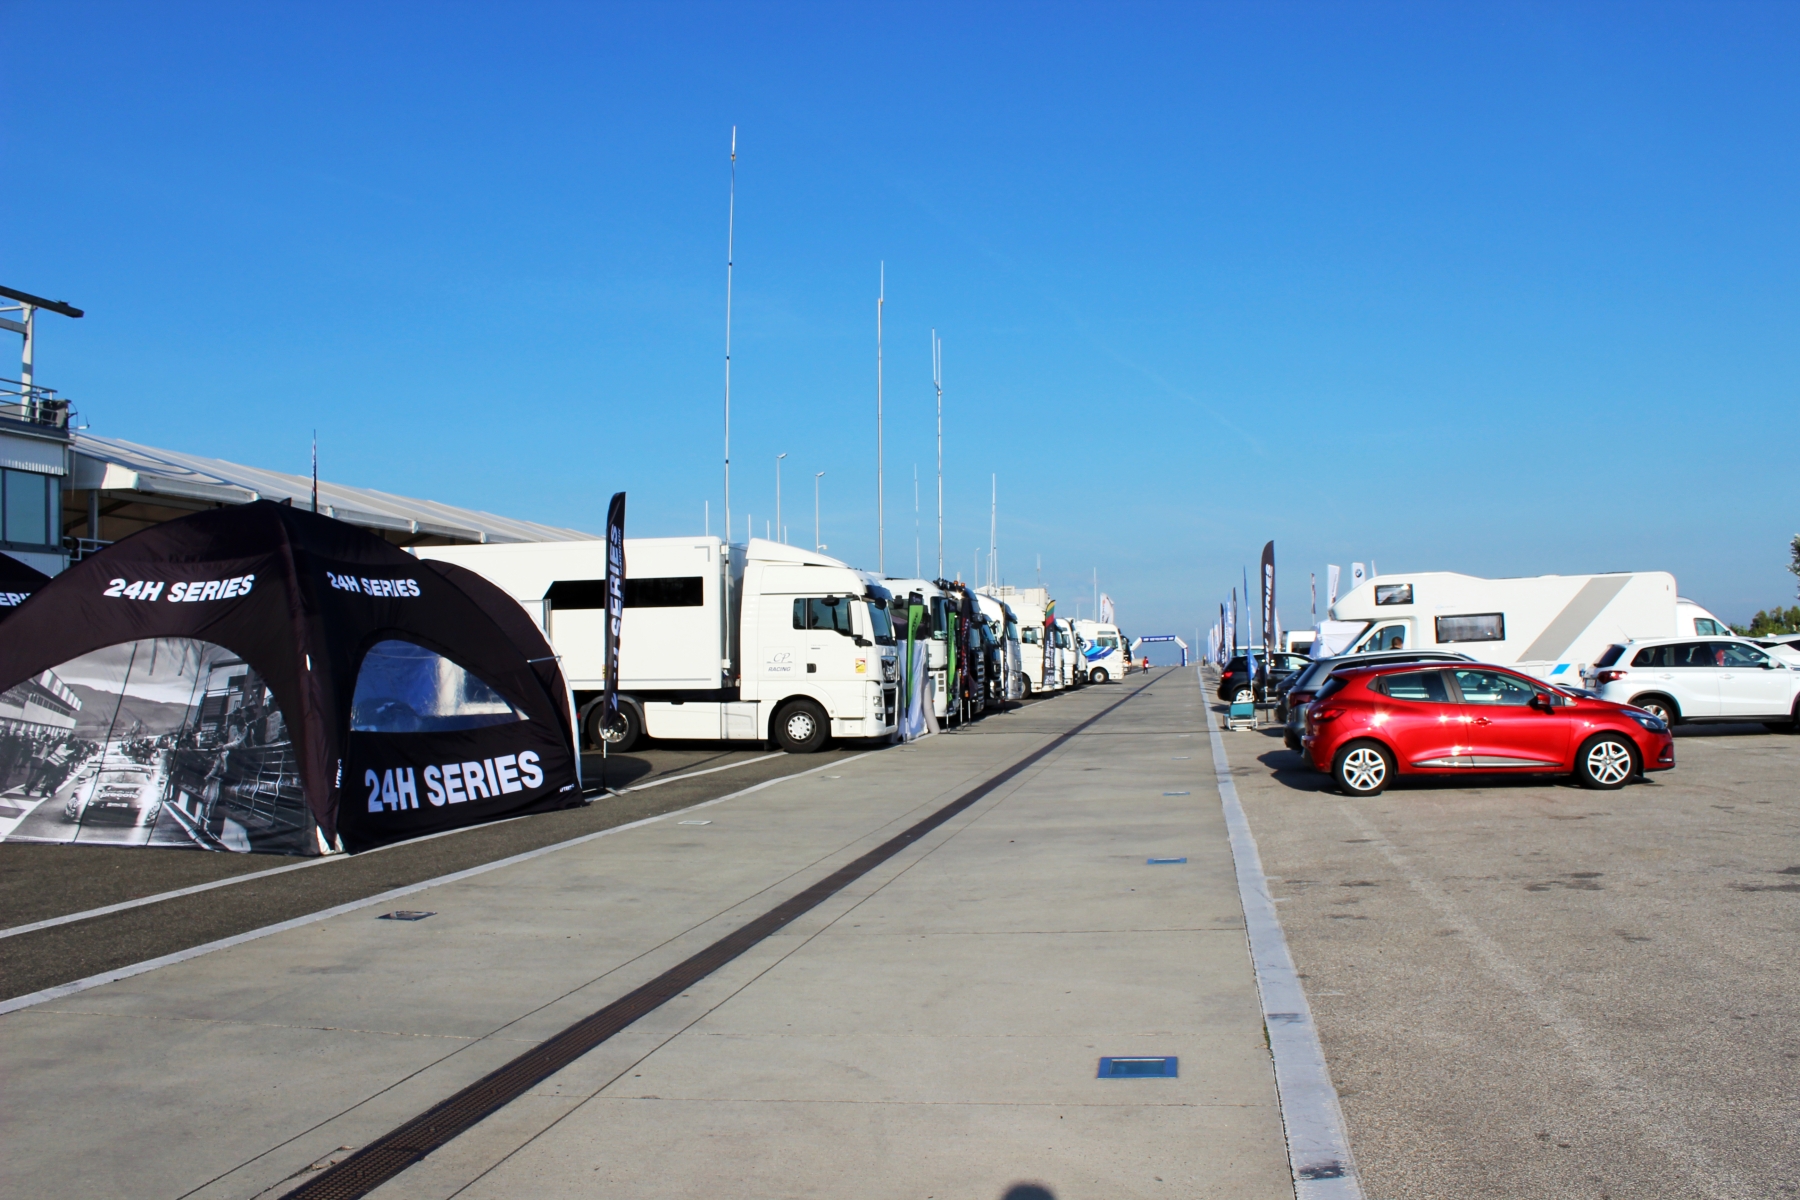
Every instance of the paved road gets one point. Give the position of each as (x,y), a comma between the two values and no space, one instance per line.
(1525,989)
(930,1030)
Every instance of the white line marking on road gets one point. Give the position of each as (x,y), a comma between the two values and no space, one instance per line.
(93,981)
(1612,1085)
(1318,1146)
(159,897)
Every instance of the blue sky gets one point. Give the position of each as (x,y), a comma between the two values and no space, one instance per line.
(1508,290)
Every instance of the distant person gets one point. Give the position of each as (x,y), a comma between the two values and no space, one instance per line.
(1146,667)
(1396,643)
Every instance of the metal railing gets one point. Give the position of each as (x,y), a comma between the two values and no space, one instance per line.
(80,548)
(34,405)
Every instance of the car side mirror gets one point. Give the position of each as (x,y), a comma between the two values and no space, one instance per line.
(1544,702)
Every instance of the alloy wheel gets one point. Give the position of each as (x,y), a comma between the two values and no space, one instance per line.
(1365,770)
(1608,763)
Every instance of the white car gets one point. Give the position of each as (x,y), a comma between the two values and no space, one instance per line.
(1691,679)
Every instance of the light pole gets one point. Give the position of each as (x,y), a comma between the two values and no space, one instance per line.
(817,545)
(778,459)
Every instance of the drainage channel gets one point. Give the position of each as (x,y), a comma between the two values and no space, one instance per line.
(395,1151)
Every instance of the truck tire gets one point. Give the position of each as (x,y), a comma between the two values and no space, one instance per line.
(623,740)
(1098,675)
(802,728)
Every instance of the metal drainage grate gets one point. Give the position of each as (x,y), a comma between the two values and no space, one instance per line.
(1139,1068)
(1174,793)
(1163,862)
(693,822)
(405,914)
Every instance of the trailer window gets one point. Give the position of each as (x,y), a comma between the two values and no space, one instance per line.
(674,591)
(1477,627)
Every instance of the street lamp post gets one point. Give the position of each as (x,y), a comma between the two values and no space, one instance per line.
(778,525)
(816,544)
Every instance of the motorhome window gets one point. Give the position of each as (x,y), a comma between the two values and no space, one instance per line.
(881,623)
(674,591)
(1609,656)
(1702,625)
(1393,593)
(404,688)
(1477,627)
(1424,686)
(1388,637)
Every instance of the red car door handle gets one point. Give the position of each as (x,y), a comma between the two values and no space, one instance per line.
(1481,721)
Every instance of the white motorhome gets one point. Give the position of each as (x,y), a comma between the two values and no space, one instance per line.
(1104,651)
(717,643)
(1550,626)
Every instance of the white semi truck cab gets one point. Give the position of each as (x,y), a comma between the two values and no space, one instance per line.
(719,642)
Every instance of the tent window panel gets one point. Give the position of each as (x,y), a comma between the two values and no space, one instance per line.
(403,688)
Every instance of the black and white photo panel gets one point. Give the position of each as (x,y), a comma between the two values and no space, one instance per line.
(161,742)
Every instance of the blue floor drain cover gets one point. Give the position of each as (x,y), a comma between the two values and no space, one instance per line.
(1139,1068)
(1163,862)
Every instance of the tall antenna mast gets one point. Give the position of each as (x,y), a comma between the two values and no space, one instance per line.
(937,378)
(918,561)
(880,511)
(315,494)
(730,247)
(994,532)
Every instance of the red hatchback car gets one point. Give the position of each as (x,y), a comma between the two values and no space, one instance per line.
(1368,725)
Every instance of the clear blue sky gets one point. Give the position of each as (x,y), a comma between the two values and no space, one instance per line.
(1498,289)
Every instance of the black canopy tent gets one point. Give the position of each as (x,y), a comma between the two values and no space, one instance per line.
(265,678)
(17,581)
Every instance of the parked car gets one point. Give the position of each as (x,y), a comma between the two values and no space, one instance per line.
(1299,689)
(1369,726)
(1688,679)
(1236,677)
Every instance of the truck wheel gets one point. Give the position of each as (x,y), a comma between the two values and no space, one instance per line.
(1606,761)
(1024,689)
(802,728)
(1658,706)
(1098,676)
(1363,769)
(620,740)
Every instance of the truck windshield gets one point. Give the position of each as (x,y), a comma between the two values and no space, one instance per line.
(940,617)
(881,623)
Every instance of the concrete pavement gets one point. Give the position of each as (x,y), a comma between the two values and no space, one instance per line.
(931,1030)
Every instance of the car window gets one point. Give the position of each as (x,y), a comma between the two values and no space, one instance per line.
(1491,687)
(1691,654)
(1653,656)
(1416,685)
(1736,654)
(1611,655)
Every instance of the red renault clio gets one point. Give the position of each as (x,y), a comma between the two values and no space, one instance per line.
(1367,725)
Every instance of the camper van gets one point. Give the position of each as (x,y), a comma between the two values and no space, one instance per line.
(717,643)
(1550,626)
(1104,651)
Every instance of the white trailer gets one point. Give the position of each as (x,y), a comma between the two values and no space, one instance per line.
(717,643)
(1550,626)
(1104,650)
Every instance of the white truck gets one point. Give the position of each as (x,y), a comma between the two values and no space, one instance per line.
(1069,659)
(1004,626)
(718,643)
(1033,677)
(1104,650)
(937,654)
(1551,626)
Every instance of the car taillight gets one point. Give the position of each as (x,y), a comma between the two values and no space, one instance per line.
(1228,675)
(1327,714)
(1608,676)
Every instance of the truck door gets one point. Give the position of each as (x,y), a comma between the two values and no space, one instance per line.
(831,650)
